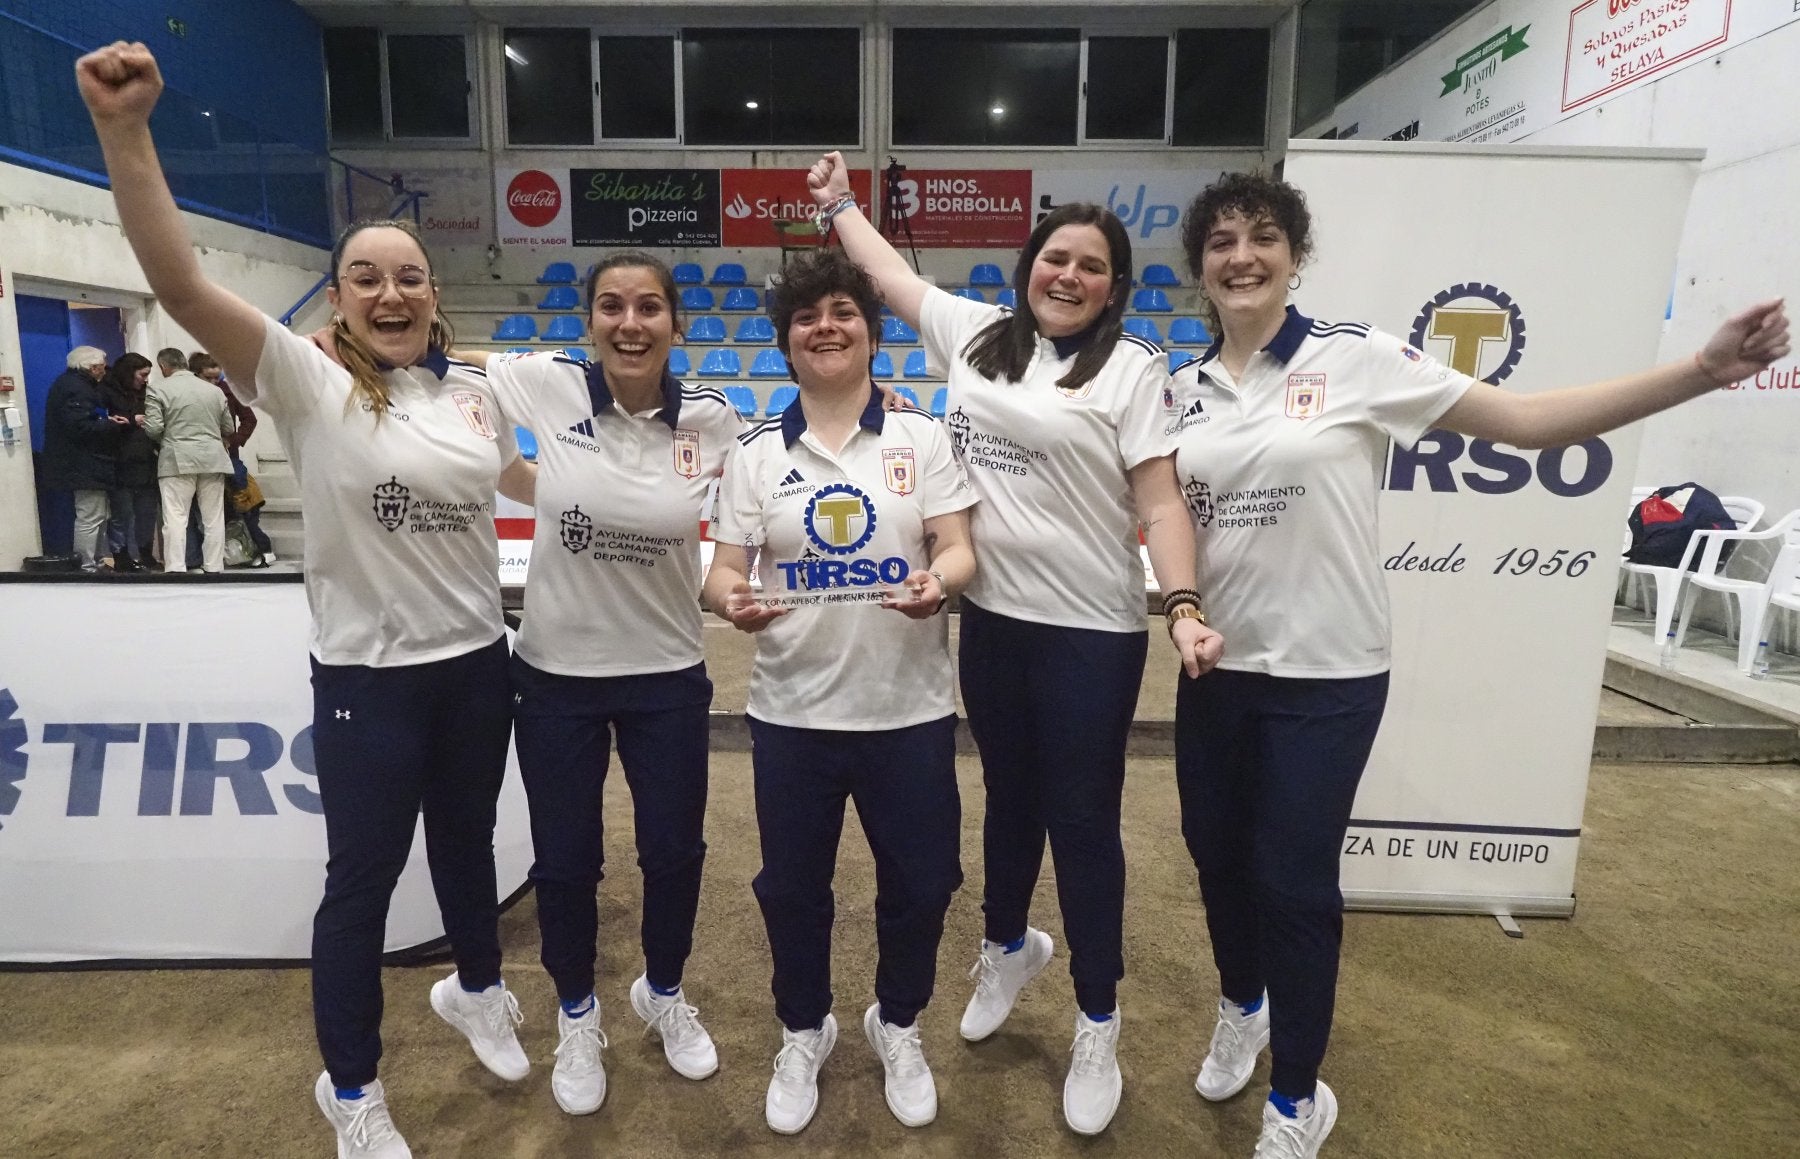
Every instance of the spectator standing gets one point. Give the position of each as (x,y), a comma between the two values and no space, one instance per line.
(241,501)
(80,441)
(189,418)
(132,502)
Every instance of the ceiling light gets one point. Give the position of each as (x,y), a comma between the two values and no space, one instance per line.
(750,104)
(998,110)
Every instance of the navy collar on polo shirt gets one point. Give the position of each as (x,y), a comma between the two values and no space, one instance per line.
(1070,344)
(602,397)
(1282,347)
(793,419)
(435,360)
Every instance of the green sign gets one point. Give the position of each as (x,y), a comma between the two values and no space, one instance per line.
(1507,43)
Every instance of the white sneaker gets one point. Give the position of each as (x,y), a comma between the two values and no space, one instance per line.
(487,1020)
(1298,1138)
(911,1092)
(579,1080)
(1236,1041)
(1091,1092)
(364,1130)
(686,1044)
(794,1091)
(999,976)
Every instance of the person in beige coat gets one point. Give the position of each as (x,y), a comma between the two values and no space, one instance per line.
(189,419)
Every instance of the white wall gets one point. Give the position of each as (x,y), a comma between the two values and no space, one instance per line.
(56,233)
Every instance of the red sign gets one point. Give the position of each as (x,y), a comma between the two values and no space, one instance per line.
(972,208)
(754,202)
(533,198)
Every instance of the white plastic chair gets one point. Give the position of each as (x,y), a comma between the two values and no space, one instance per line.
(1754,598)
(1743,511)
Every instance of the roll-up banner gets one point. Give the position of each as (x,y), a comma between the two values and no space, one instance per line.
(1532,268)
(157,793)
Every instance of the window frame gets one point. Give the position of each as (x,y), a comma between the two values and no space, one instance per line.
(1168,117)
(472,79)
(601,141)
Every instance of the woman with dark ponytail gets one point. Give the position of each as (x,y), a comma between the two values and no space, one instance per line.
(398,450)
(1060,418)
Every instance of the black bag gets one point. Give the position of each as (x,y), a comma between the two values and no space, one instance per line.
(1663,523)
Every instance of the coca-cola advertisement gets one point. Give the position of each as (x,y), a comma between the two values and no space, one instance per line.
(532,206)
(757,202)
(645,207)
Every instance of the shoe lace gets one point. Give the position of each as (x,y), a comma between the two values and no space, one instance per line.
(1091,1050)
(986,972)
(370,1122)
(796,1058)
(501,1012)
(677,1022)
(1282,1138)
(905,1055)
(1228,1038)
(582,1042)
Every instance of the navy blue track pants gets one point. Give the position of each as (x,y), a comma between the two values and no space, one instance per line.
(1050,709)
(1267,767)
(903,781)
(565,726)
(388,743)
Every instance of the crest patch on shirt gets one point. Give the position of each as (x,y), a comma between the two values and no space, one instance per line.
(474,408)
(687,453)
(902,476)
(1305,395)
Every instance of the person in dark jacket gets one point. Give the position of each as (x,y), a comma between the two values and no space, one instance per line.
(131,526)
(80,440)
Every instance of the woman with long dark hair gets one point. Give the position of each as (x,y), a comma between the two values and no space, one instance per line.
(1060,418)
(134,499)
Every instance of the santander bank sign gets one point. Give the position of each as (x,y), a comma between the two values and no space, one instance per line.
(535,207)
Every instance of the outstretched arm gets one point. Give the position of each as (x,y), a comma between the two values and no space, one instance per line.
(902,290)
(120,84)
(1741,347)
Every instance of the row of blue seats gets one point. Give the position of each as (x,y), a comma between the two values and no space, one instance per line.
(757,330)
(732,274)
(770,363)
(699,299)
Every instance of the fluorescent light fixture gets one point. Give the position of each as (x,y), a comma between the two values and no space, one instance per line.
(750,105)
(515,56)
(998,110)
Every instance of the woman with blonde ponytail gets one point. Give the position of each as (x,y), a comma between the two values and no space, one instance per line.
(398,449)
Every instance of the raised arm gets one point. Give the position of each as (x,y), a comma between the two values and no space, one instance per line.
(1744,345)
(1169,536)
(121,84)
(901,289)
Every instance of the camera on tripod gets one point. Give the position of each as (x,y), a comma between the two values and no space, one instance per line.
(894,217)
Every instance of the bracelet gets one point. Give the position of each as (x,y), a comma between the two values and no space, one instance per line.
(847,201)
(1180,596)
(1185,612)
(943,592)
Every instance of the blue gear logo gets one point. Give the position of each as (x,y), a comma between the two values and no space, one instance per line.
(840,519)
(1478,321)
(12,752)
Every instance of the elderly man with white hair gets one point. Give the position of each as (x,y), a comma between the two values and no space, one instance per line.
(80,436)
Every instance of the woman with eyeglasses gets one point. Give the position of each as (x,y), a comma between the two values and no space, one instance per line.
(398,450)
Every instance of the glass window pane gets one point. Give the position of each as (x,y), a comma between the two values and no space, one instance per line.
(986,86)
(786,86)
(1127,87)
(816,86)
(725,86)
(1221,86)
(353,71)
(549,87)
(637,87)
(428,85)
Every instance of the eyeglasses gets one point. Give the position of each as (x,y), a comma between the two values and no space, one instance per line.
(365,281)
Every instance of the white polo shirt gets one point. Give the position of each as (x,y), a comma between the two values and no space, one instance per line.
(1282,472)
(402,566)
(614,583)
(844,525)
(1056,531)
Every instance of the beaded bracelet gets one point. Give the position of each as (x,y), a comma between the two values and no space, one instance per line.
(847,201)
(1180,596)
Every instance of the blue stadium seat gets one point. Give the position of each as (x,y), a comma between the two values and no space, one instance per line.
(986,274)
(755,330)
(1188,332)
(1144,328)
(741,298)
(1160,275)
(940,402)
(679,365)
(560,298)
(909,394)
(883,366)
(728,274)
(1008,298)
(708,329)
(895,332)
(521,349)
(781,398)
(578,353)
(769,364)
(915,365)
(1151,302)
(558,274)
(563,328)
(1180,358)
(743,398)
(696,298)
(688,274)
(721,363)
(515,328)
(971,294)
(527,444)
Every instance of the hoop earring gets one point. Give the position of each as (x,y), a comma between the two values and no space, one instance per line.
(1293,281)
